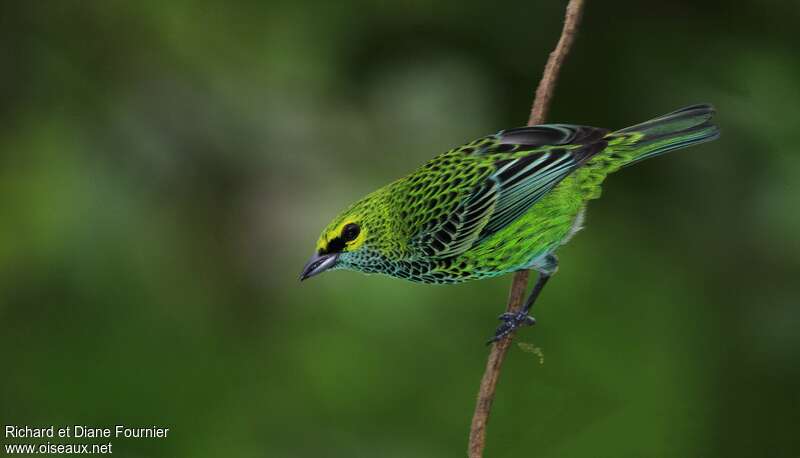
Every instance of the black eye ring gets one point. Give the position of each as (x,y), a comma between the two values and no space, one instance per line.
(350,232)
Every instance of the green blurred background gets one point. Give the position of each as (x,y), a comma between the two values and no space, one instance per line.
(166,167)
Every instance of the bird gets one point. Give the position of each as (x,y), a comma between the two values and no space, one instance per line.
(502,203)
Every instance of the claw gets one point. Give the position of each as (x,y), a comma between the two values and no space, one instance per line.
(511,321)
(522,319)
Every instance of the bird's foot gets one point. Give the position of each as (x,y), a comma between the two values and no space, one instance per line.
(511,321)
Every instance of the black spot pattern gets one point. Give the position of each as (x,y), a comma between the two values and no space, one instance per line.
(409,222)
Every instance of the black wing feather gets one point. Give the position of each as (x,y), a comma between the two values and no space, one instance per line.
(516,184)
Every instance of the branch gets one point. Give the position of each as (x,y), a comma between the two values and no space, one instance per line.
(541,103)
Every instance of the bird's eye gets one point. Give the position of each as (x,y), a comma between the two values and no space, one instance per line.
(350,232)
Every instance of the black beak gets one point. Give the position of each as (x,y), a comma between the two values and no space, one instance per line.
(318,263)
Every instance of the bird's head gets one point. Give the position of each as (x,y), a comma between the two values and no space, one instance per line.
(347,242)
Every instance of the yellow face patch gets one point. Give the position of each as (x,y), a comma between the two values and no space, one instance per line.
(335,234)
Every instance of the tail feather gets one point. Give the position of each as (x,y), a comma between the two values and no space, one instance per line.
(679,129)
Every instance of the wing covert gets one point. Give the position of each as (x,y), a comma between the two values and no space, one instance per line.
(529,162)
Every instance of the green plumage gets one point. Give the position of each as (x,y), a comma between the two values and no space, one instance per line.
(499,204)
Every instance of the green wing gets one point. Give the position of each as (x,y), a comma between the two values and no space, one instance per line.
(526,164)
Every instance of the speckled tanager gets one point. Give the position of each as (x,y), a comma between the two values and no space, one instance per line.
(502,203)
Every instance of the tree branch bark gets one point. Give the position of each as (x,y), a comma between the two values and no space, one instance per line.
(494,363)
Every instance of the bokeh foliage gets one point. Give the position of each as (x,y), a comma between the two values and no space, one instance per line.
(165,168)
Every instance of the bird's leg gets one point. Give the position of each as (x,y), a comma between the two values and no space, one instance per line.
(513,320)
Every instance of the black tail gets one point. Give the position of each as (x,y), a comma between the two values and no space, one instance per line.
(679,129)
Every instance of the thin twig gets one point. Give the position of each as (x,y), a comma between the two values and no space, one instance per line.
(541,103)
